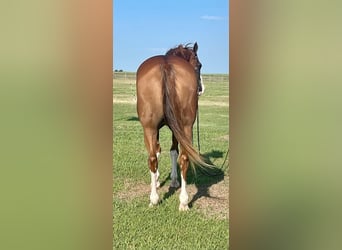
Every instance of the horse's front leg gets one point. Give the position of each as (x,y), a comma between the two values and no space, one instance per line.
(174,157)
(174,175)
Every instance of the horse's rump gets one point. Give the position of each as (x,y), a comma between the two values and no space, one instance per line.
(150,92)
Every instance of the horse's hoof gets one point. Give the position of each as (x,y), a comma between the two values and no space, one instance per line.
(154,199)
(183,207)
(174,184)
(154,203)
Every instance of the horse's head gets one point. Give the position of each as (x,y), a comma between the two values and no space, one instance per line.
(194,61)
(189,54)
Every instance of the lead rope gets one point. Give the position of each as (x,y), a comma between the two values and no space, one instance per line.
(199,146)
(198,139)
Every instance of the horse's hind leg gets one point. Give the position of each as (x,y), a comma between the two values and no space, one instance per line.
(183,197)
(174,157)
(151,142)
(184,165)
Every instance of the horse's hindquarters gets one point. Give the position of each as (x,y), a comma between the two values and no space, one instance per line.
(149,92)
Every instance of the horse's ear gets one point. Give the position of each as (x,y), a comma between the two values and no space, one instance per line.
(195,47)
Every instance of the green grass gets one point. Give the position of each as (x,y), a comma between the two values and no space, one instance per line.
(136,226)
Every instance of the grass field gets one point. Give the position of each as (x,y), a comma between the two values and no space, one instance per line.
(135,225)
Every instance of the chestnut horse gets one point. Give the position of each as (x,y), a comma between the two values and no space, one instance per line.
(167,94)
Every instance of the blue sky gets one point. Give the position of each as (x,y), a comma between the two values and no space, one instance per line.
(146,28)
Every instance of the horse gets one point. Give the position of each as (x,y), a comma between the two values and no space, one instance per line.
(167,88)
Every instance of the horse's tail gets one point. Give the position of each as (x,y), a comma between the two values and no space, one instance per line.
(172,115)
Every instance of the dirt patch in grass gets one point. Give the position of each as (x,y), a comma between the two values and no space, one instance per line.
(133,190)
(213,103)
(224,138)
(128,100)
(211,200)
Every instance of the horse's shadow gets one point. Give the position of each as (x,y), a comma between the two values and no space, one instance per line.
(133,118)
(202,177)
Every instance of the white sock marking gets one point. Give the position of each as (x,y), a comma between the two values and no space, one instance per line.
(183,197)
(154,195)
(157,179)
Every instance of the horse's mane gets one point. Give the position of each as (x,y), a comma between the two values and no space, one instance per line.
(184,51)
